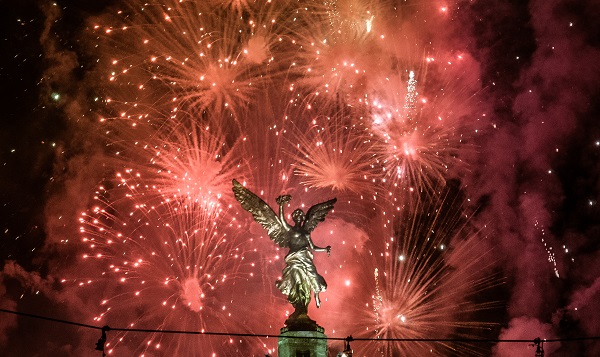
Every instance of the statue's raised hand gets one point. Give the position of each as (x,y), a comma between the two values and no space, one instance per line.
(283,199)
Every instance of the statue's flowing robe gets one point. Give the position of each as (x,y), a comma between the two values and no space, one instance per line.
(299,277)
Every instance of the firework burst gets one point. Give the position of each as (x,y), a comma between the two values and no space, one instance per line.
(432,268)
(336,153)
(167,266)
(189,55)
(338,58)
(417,144)
(177,161)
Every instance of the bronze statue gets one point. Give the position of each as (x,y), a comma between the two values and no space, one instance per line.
(300,276)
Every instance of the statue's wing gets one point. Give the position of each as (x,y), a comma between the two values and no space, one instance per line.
(317,214)
(262,213)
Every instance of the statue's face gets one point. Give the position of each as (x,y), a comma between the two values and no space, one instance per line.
(298,216)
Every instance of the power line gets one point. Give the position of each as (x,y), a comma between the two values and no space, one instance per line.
(232,334)
(51,319)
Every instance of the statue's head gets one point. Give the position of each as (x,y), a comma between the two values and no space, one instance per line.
(298,216)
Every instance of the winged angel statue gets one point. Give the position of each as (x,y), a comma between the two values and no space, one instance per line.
(300,275)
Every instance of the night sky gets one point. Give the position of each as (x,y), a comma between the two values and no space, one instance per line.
(516,81)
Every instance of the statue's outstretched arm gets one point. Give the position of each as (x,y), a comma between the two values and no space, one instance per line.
(318,249)
(281,201)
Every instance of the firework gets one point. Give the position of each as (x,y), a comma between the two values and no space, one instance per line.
(426,283)
(167,266)
(340,54)
(336,154)
(180,160)
(188,55)
(418,144)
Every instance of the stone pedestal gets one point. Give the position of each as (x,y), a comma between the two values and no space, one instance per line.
(311,344)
